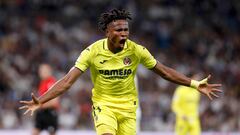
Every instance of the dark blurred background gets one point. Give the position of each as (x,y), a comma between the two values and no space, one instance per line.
(199,35)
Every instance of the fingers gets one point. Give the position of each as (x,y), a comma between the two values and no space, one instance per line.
(25,102)
(23,107)
(217,90)
(216,85)
(204,81)
(29,105)
(35,100)
(209,96)
(32,113)
(32,110)
(215,95)
(26,112)
(209,76)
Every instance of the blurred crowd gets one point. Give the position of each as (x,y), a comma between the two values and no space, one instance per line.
(187,35)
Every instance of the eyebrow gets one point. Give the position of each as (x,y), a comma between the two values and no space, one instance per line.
(118,25)
(114,22)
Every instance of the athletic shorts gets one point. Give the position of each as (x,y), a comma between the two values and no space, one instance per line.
(46,119)
(114,121)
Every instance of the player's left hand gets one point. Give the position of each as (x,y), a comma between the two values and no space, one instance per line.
(209,90)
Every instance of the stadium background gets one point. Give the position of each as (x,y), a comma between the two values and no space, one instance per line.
(184,34)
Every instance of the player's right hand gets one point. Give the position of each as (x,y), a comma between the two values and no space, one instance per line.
(32,105)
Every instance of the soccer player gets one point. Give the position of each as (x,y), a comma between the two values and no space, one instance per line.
(46,117)
(185,105)
(113,63)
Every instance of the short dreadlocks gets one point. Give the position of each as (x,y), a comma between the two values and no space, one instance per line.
(114,14)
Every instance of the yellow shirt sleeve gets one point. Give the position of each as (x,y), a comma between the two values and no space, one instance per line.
(145,57)
(84,61)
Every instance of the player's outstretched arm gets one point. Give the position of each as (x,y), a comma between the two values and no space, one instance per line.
(202,86)
(57,89)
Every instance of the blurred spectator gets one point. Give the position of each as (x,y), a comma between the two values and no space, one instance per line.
(46,118)
(185,104)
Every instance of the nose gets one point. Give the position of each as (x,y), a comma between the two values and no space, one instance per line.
(124,34)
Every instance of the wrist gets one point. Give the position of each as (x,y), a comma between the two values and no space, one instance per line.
(40,105)
(194,84)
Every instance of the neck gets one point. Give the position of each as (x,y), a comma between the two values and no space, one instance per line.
(110,47)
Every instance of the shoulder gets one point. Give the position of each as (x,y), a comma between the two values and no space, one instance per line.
(99,43)
(135,46)
(96,46)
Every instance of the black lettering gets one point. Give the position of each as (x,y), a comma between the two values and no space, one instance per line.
(106,72)
(120,71)
(114,72)
(125,72)
(129,71)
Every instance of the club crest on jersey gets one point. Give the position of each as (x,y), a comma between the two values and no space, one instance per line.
(127,61)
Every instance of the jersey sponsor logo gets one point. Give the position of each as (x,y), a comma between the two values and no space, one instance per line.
(116,73)
(127,61)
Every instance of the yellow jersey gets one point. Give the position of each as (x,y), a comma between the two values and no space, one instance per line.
(185,102)
(113,74)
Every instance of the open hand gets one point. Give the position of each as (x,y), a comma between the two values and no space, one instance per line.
(32,105)
(209,90)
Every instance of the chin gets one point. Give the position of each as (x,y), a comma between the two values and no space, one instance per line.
(119,49)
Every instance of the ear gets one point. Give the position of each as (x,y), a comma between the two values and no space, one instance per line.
(107,32)
(108,29)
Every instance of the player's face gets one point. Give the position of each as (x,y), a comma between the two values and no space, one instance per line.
(117,33)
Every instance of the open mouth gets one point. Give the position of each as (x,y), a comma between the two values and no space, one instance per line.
(122,41)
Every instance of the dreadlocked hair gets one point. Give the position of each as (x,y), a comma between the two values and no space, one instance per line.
(114,14)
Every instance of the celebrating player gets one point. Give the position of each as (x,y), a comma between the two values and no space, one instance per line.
(113,63)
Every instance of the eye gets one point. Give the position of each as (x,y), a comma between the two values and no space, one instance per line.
(118,30)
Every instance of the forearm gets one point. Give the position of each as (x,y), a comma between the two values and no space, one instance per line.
(171,75)
(54,103)
(57,89)
(61,86)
